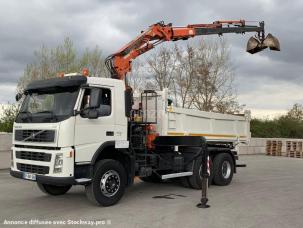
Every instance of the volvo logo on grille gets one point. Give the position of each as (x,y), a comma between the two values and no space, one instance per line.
(33,135)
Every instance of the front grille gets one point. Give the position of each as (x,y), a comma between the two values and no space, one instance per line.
(33,168)
(35,156)
(37,147)
(35,135)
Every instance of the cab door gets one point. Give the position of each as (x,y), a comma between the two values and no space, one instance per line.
(90,133)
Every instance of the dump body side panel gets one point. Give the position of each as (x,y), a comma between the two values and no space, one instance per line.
(213,126)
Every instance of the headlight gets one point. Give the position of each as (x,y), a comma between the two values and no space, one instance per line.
(58,163)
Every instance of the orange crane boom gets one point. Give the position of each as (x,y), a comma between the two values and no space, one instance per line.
(119,63)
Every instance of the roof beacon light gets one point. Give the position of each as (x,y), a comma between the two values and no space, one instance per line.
(85,72)
(61,74)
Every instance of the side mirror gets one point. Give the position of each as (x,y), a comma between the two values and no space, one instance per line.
(92,114)
(89,113)
(95,98)
(18,96)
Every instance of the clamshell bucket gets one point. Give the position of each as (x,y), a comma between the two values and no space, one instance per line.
(254,45)
(272,42)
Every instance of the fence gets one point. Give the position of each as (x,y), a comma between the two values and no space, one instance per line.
(255,146)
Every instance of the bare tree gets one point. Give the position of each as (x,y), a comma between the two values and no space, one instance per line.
(135,78)
(184,75)
(62,58)
(48,62)
(213,87)
(161,66)
(199,76)
(296,112)
(94,61)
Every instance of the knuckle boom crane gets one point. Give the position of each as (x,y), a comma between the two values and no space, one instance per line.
(119,63)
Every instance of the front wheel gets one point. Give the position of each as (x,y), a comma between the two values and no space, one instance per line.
(108,184)
(223,167)
(53,189)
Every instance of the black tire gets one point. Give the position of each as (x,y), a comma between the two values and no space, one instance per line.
(184,182)
(53,189)
(114,174)
(195,180)
(152,179)
(223,175)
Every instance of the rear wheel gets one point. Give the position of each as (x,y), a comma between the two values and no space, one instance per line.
(108,184)
(184,182)
(195,181)
(53,189)
(223,167)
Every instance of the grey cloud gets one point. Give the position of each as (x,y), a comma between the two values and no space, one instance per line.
(7,93)
(26,25)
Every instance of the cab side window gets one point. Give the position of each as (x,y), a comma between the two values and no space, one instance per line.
(105,106)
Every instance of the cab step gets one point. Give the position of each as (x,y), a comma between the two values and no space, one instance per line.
(174,175)
(83,180)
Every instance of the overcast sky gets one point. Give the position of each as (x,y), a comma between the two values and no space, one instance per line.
(268,83)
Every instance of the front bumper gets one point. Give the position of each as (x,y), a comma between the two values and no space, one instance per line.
(59,181)
(34,160)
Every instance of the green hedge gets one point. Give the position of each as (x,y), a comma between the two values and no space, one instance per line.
(282,127)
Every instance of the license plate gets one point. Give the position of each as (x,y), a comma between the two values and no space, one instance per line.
(29,176)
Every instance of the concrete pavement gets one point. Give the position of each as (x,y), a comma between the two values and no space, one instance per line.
(268,193)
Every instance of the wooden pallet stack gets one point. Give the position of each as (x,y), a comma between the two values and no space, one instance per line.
(274,148)
(288,148)
(268,147)
(294,149)
(279,148)
(299,150)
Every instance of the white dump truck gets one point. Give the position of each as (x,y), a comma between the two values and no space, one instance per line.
(92,131)
(85,130)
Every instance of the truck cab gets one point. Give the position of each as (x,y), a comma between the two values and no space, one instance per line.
(91,131)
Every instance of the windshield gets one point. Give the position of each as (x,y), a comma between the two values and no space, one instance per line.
(48,106)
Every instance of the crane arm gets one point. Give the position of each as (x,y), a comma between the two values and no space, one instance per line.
(119,63)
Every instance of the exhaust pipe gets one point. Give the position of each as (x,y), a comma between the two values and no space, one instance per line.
(255,45)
